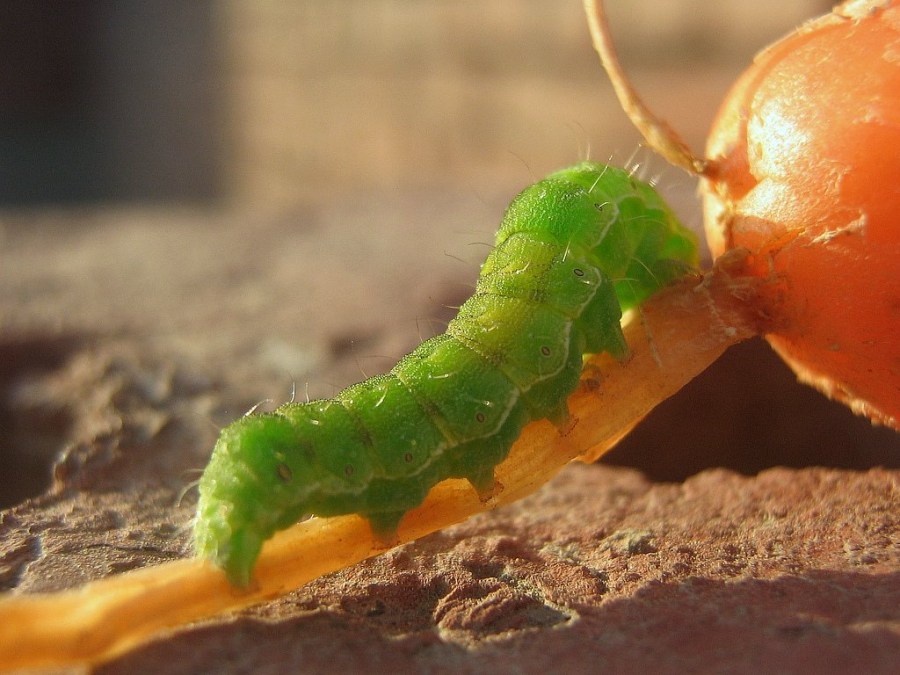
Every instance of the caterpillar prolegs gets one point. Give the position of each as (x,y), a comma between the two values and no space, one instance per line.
(573,251)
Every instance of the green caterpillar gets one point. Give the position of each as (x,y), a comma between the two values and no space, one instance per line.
(573,251)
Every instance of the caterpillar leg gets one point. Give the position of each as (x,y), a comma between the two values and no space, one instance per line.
(559,416)
(485,484)
(565,425)
(384,527)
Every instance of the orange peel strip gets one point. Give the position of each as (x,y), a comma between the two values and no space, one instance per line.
(681,331)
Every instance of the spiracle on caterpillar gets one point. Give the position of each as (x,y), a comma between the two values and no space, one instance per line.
(572,253)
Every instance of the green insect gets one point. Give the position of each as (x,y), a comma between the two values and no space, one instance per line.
(573,251)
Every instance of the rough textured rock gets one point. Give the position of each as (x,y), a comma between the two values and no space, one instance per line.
(791,571)
(126,337)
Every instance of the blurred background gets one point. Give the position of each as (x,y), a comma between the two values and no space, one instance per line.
(272,102)
(281,125)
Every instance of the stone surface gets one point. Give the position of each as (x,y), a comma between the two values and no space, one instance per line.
(791,571)
(128,336)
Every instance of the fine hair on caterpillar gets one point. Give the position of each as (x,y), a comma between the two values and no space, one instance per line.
(572,253)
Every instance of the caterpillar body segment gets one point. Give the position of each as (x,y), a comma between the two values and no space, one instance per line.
(572,252)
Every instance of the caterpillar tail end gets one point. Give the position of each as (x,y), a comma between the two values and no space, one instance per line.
(234,553)
(229,546)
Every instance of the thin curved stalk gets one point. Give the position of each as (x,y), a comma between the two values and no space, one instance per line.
(656,132)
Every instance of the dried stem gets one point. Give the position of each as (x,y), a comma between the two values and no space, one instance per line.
(656,132)
(691,324)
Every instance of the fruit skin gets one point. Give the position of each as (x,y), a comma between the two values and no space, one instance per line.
(805,172)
